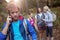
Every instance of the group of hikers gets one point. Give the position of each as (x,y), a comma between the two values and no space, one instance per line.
(17,27)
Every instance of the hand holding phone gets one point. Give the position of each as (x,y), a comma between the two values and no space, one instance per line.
(9,19)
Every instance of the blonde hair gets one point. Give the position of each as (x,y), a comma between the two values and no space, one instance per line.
(47,8)
(10,6)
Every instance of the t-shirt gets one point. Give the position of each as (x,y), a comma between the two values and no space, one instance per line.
(39,15)
(17,34)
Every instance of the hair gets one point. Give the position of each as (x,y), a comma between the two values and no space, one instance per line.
(46,7)
(30,11)
(10,6)
(38,9)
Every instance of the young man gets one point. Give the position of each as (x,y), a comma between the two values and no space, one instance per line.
(49,21)
(17,29)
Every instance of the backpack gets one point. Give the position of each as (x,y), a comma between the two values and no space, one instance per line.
(25,26)
(54,16)
(40,22)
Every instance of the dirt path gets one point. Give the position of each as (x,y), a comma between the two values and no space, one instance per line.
(56,34)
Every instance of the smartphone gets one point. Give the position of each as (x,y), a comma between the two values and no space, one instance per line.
(10,18)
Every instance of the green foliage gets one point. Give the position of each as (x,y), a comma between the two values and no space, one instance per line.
(57,22)
(1,23)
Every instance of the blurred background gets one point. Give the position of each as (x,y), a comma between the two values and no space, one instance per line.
(26,5)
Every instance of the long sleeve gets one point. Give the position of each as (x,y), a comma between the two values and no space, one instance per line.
(2,36)
(31,31)
(49,18)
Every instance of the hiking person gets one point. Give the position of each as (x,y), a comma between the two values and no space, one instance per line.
(49,21)
(40,23)
(17,26)
(31,20)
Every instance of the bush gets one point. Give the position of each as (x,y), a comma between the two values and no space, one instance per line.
(1,23)
(57,22)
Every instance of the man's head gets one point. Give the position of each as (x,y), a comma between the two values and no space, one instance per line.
(13,11)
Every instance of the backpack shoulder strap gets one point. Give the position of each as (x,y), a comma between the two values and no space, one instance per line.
(24,22)
(38,16)
(25,25)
